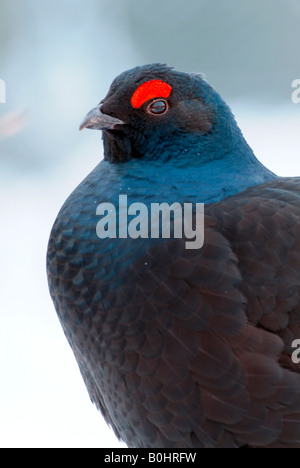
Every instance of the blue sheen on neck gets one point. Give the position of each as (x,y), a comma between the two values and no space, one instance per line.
(183,179)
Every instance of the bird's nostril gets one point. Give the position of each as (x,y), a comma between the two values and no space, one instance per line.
(105,109)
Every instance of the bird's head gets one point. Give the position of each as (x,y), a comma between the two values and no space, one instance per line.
(157,113)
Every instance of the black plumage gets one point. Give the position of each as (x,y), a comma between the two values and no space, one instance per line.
(179,347)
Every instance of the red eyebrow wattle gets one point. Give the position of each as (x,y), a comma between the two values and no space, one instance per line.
(149,90)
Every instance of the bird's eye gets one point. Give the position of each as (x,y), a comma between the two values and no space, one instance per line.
(157,107)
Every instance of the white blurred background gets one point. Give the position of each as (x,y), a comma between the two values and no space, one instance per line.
(58,59)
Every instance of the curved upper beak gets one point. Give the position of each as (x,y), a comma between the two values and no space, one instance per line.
(95,119)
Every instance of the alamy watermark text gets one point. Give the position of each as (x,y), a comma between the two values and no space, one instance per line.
(163,221)
(296,93)
(2,92)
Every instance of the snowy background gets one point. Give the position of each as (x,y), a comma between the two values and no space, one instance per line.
(58,59)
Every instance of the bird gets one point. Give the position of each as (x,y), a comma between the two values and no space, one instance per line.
(182,347)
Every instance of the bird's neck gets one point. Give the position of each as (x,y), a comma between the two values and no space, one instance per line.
(196,174)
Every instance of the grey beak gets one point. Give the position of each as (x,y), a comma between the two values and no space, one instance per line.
(95,119)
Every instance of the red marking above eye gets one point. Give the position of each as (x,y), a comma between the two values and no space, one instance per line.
(149,90)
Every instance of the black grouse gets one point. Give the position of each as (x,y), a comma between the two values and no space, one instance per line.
(181,344)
